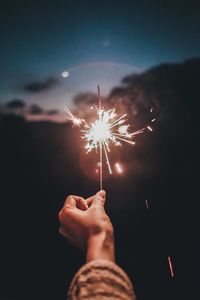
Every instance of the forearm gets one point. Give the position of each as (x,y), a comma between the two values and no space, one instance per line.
(101,246)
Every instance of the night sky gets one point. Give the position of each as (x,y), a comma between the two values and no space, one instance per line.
(95,41)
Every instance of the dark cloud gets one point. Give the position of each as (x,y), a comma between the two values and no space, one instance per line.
(52,112)
(16,104)
(40,86)
(85,98)
(83,102)
(35,110)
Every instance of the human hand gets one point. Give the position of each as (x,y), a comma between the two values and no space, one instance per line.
(85,223)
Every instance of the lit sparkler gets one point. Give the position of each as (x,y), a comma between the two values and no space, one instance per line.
(109,129)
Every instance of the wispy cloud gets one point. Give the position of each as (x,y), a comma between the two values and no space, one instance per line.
(40,86)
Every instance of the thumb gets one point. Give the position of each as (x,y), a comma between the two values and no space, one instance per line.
(99,198)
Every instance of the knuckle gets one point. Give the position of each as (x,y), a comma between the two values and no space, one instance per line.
(67,198)
(62,214)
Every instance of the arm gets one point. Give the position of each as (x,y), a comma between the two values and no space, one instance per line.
(86,224)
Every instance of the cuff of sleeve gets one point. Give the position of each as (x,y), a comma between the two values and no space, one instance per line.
(101,277)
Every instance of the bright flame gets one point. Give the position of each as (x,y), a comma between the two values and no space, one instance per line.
(99,131)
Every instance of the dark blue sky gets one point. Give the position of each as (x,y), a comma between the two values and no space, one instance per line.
(42,39)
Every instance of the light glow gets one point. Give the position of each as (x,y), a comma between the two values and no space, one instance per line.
(118,168)
(107,130)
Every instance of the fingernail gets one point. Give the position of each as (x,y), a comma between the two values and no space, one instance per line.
(102,193)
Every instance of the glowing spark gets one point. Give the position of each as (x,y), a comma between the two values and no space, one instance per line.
(118,168)
(153,120)
(109,129)
(151,110)
(150,129)
(70,117)
(147,205)
(170,266)
(123,129)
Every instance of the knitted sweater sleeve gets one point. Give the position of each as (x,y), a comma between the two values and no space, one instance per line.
(101,280)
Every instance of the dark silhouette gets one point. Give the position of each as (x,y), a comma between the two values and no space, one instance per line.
(16,104)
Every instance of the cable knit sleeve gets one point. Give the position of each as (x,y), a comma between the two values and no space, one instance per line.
(101,280)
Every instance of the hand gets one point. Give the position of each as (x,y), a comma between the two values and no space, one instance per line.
(85,223)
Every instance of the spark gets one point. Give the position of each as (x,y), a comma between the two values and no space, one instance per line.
(151,110)
(118,168)
(147,204)
(107,131)
(153,120)
(149,128)
(70,117)
(170,266)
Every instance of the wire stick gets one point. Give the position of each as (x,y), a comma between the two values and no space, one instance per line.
(100,144)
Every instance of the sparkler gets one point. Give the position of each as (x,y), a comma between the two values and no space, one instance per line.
(108,129)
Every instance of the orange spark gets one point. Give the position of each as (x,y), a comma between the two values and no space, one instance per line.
(170,266)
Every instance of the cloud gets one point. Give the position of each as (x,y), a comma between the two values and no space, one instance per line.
(35,110)
(16,104)
(85,98)
(40,86)
(52,112)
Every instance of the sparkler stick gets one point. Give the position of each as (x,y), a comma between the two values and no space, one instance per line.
(100,150)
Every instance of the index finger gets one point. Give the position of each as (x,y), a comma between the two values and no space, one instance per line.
(76,202)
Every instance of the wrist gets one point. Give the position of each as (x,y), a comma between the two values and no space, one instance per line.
(101,246)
